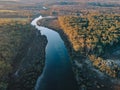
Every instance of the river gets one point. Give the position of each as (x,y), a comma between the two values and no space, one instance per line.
(57,73)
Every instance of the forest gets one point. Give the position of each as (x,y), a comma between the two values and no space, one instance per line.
(16,38)
(12,37)
(94,36)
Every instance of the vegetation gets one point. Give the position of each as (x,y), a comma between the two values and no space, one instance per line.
(8,21)
(12,37)
(90,38)
(93,35)
(110,68)
(17,36)
(51,23)
(15,14)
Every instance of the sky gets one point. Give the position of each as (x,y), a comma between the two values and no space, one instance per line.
(9,0)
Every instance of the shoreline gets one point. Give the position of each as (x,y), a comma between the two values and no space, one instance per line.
(30,66)
(75,57)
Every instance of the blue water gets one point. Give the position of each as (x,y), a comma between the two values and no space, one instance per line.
(57,73)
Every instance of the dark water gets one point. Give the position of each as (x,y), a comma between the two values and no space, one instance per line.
(57,74)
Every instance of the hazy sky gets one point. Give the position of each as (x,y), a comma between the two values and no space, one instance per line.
(9,0)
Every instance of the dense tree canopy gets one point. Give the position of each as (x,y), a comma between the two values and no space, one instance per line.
(92,32)
(94,35)
(13,36)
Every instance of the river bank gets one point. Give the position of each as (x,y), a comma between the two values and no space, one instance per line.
(20,47)
(57,63)
(87,76)
(28,63)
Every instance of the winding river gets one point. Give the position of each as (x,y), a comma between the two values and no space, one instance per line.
(57,73)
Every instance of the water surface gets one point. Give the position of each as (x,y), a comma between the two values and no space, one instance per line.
(57,73)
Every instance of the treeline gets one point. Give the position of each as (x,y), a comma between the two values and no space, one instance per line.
(104,4)
(93,35)
(13,36)
(15,13)
(12,21)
